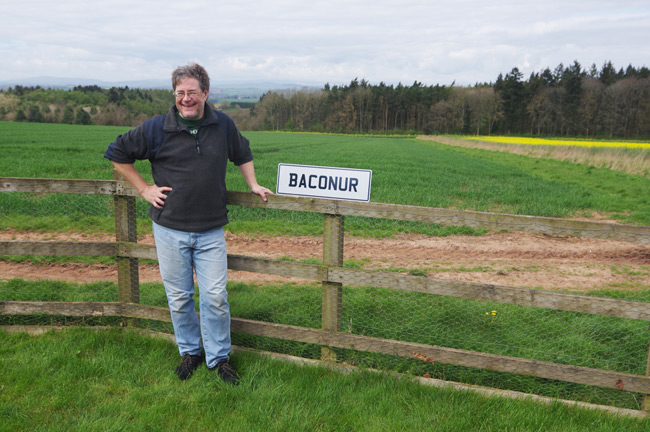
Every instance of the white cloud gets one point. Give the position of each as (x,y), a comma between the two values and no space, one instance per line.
(466,41)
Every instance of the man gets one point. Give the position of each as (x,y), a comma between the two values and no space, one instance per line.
(188,149)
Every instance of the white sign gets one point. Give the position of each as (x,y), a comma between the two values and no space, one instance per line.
(324,182)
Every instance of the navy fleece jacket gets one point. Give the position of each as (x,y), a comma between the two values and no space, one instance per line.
(194,167)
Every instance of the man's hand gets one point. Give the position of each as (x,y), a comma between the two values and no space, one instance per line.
(261,191)
(248,171)
(155,195)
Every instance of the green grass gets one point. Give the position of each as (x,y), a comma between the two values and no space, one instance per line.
(405,171)
(118,380)
(424,173)
(594,341)
(55,150)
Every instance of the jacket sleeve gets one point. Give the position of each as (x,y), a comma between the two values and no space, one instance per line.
(240,151)
(129,147)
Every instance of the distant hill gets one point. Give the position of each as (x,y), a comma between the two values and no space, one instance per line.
(223,90)
(87,101)
(63,83)
(224,86)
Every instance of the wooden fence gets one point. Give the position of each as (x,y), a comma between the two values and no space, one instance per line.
(333,276)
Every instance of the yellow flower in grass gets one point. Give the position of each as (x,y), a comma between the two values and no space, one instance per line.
(492,318)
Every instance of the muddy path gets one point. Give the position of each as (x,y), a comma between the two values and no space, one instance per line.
(511,259)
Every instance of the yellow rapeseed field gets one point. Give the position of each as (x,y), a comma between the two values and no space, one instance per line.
(632,157)
(559,142)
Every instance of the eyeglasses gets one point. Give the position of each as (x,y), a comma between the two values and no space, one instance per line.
(190,94)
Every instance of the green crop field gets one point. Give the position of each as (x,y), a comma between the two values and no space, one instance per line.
(405,171)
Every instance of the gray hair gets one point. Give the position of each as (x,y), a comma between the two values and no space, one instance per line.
(191,70)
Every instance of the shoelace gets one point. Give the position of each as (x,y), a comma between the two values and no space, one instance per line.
(226,368)
(189,362)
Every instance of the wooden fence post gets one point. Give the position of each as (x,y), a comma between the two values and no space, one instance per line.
(126,231)
(332,292)
(645,403)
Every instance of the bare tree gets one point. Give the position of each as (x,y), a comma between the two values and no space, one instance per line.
(545,111)
(592,94)
(484,109)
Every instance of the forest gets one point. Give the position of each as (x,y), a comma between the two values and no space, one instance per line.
(568,101)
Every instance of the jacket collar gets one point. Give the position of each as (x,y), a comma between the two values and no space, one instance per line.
(172,124)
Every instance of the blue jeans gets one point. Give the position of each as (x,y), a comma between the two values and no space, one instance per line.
(179,253)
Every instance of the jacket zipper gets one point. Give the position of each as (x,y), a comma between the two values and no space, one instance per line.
(196,138)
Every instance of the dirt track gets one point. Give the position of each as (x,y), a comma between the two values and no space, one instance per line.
(510,259)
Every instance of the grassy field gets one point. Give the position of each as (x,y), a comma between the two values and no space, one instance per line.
(405,171)
(594,341)
(118,380)
(631,157)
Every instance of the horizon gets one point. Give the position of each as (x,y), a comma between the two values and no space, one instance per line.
(256,84)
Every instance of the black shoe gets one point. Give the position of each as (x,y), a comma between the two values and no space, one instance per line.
(226,372)
(188,366)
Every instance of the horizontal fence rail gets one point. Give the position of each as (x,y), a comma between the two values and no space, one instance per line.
(469,290)
(473,219)
(579,375)
(333,276)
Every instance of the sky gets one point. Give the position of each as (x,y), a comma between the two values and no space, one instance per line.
(315,42)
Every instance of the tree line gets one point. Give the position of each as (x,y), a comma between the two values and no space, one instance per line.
(566,101)
(117,106)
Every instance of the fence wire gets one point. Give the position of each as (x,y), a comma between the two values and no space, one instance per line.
(618,269)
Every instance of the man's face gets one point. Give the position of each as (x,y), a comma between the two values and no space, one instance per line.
(192,104)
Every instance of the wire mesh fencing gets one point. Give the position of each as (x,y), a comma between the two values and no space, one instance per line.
(377,286)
